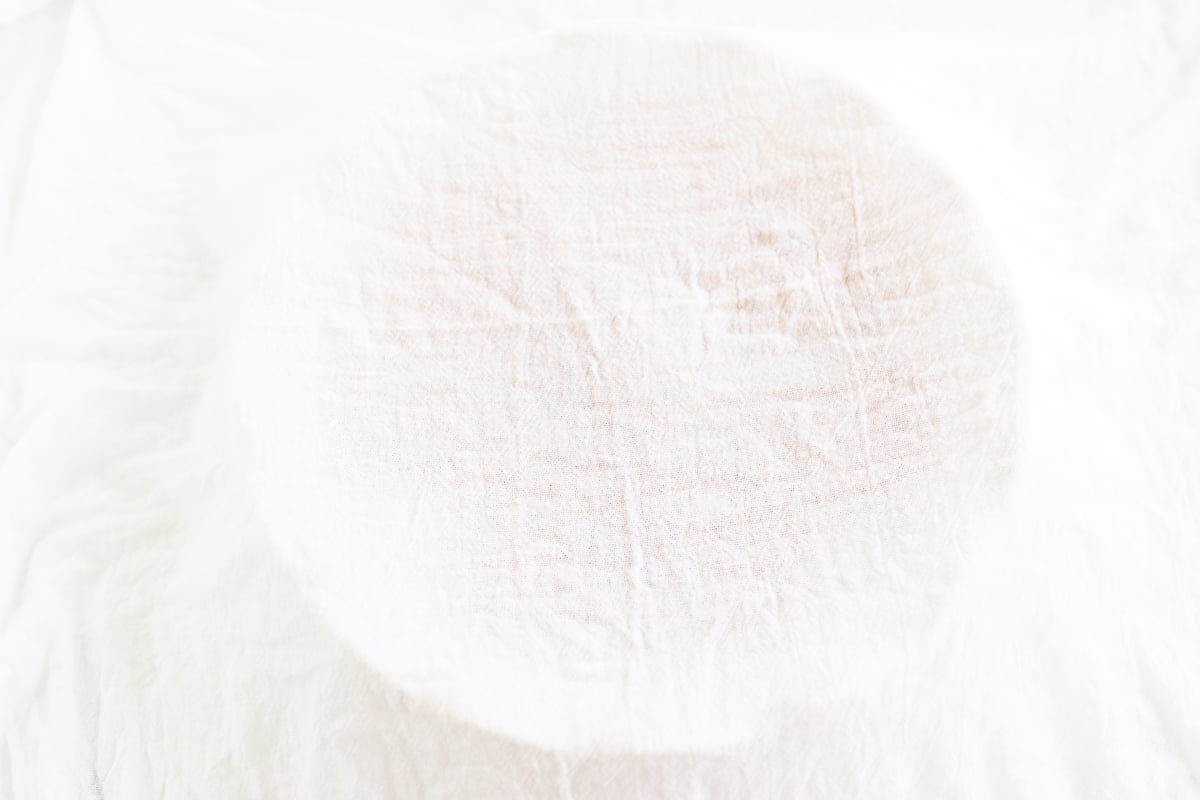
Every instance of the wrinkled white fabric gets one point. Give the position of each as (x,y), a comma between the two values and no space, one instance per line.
(620,390)
(160,639)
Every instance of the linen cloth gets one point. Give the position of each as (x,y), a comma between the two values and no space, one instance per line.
(156,643)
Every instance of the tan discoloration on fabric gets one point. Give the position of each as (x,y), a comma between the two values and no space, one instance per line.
(605,384)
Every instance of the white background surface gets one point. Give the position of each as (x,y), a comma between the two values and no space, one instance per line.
(152,647)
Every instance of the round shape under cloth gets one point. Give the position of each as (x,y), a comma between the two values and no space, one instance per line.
(620,390)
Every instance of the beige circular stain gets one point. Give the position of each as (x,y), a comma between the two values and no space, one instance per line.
(619,390)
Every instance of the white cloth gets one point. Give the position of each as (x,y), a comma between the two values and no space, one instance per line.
(155,643)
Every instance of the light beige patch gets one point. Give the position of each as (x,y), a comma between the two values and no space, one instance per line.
(615,391)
